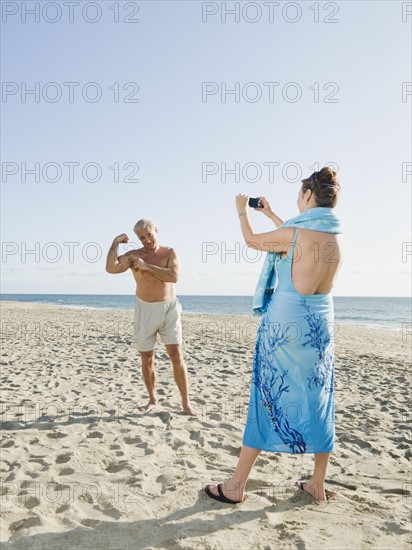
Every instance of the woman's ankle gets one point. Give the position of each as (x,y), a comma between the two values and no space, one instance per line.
(316,481)
(238,481)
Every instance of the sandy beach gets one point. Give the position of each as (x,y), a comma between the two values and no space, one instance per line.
(83,468)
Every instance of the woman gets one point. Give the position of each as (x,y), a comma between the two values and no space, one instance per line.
(291,406)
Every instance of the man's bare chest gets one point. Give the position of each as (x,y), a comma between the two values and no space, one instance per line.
(160,259)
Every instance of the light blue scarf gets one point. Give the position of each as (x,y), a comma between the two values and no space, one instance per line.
(320,218)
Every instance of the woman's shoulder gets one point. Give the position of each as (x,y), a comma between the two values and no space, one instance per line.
(311,232)
(307,239)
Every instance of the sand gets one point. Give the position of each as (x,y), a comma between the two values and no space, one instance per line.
(83,468)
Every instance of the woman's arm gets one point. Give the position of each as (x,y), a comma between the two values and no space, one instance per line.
(271,241)
(267,211)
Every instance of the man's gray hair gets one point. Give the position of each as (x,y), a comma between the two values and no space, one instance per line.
(145,222)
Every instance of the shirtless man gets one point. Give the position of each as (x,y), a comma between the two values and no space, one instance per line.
(156,270)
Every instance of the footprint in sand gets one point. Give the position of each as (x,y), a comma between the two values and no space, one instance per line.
(176,442)
(186,463)
(164,416)
(57,435)
(118,467)
(234,451)
(39,460)
(133,441)
(62,509)
(215,416)
(167,483)
(31,502)
(33,475)
(216,444)
(396,491)
(197,436)
(367,506)
(61,459)
(229,426)
(66,472)
(33,521)
(109,510)
(94,435)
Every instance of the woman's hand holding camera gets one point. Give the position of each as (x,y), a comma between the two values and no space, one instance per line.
(241,203)
(266,209)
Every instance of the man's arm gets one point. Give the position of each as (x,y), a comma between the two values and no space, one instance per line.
(169,274)
(116,264)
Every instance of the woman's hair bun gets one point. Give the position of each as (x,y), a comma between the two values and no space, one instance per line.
(326,176)
(325,186)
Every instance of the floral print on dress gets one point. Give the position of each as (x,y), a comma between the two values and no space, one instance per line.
(271,382)
(319,338)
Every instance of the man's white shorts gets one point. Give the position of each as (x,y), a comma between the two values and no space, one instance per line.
(151,318)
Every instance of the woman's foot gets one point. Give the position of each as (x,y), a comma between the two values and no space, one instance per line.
(315,489)
(231,489)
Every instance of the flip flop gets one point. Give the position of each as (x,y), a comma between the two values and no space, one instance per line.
(326,492)
(220,497)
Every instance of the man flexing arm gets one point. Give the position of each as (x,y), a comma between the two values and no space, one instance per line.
(115,264)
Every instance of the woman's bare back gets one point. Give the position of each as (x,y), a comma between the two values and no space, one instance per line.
(316,261)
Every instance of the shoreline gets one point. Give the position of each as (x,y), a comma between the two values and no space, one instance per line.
(371,326)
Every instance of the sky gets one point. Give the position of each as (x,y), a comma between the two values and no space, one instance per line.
(167,110)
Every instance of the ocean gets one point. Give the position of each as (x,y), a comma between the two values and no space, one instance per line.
(378,312)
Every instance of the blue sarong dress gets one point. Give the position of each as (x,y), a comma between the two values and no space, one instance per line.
(291,407)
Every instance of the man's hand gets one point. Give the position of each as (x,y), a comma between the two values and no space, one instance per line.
(138,263)
(169,274)
(123,238)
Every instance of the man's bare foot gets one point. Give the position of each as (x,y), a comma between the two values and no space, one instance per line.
(230,489)
(315,490)
(188,409)
(149,407)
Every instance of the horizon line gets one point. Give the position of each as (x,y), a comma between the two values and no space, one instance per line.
(197,295)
